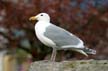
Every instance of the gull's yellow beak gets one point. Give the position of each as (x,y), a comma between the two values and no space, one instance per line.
(32,18)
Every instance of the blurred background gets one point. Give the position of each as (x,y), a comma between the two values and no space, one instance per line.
(88,19)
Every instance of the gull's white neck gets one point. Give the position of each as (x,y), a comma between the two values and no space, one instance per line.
(40,26)
(43,23)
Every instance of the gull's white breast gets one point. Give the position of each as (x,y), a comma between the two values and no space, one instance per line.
(40,28)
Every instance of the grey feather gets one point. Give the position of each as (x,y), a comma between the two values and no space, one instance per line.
(60,36)
(89,51)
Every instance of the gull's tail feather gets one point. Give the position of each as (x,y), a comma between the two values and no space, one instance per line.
(85,51)
(89,51)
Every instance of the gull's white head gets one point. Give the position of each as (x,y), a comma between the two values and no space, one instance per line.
(41,17)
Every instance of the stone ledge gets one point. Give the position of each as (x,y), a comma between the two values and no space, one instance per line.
(75,65)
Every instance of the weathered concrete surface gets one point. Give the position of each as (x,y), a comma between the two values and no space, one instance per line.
(76,65)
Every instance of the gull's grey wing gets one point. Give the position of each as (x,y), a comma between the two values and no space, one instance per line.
(61,37)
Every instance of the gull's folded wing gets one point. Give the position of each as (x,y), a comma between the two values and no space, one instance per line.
(62,38)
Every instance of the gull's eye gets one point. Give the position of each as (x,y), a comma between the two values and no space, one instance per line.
(41,14)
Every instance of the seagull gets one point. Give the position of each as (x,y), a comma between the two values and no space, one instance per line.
(57,37)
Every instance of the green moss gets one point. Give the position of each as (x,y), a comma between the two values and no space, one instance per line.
(105,63)
(83,62)
(70,65)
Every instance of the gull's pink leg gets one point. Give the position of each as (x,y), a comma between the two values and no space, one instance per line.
(53,56)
